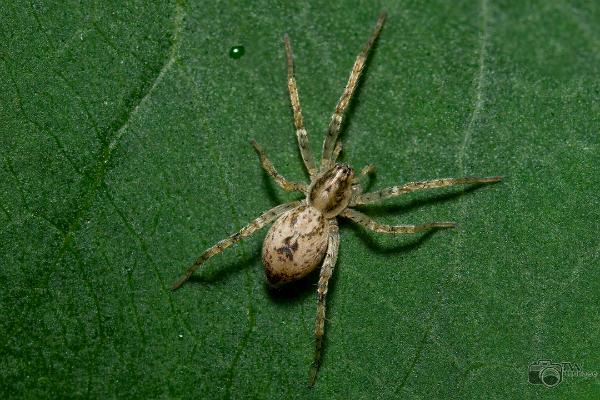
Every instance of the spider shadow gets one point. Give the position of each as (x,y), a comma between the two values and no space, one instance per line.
(270,188)
(294,292)
(371,180)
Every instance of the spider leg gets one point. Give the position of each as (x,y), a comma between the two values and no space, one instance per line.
(336,119)
(301,135)
(264,219)
(326,272)
(368,223)
(337,150)
(382,194)
(270,169)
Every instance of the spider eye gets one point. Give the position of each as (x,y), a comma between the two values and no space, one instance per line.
(344,168)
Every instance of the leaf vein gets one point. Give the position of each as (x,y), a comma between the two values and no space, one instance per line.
(145,249)
(480,81)
(37,124)
(173,54)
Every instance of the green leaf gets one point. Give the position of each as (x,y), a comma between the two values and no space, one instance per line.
(125,153)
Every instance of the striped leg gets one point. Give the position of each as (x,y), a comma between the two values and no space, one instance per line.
(327,159)
(270,169)
(382,194)
(326,272)
(368,223)
(264,219)
(301,135)
(337,150)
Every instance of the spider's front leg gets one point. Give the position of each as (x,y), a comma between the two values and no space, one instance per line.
(270,169)
(326,272)
(301,134)
(264,219)
(327,158)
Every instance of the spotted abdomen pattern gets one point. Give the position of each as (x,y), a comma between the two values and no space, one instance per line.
(295,245)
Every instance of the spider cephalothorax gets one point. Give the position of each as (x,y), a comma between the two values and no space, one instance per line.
(331,191)
(305,233)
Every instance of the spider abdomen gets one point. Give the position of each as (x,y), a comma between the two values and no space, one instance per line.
(295,245)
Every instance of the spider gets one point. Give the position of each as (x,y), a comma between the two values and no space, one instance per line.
(305,233)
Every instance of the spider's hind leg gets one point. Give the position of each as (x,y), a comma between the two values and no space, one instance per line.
(326,272)
(264,219)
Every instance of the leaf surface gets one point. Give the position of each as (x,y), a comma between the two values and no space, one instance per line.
(125,153)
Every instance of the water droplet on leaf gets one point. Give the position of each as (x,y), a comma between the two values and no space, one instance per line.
(236,52)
